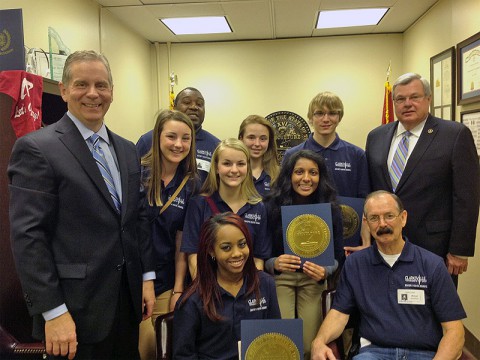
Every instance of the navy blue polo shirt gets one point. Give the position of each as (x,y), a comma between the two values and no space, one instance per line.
(255,216)
(195,336)
(262,184)
(346,163)
(164,228)
(205,144)
(389,299)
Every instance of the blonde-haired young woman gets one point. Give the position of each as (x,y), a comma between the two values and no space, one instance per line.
(228,188)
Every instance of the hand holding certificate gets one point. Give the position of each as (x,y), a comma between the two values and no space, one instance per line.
(307,232)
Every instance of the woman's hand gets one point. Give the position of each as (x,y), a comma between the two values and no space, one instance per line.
(316,272)
(287,263)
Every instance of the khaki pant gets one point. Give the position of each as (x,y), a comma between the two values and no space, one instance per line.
(147,341)
(299,296)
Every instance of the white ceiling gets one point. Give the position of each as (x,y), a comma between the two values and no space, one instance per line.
(259,19)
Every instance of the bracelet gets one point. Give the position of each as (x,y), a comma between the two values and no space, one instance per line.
(176,292)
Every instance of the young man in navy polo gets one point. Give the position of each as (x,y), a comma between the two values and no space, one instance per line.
(406,298)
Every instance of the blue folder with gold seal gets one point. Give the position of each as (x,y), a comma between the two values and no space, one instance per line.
(352,213)
(272,339)
(12,51)
(308,232)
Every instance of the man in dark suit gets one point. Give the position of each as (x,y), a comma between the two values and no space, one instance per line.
(82,249)
(439,185)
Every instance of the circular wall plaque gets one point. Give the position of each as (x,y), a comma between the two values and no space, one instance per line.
(290,129)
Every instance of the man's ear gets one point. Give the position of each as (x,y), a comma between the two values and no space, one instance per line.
(403,217)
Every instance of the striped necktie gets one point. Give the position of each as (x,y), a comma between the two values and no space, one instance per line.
(99,157)
(399,160)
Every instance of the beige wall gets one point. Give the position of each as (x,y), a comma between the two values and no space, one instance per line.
(445,25)
(261,77)
(82,25)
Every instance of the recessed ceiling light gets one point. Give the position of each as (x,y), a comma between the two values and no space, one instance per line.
(348,18)
(197,25)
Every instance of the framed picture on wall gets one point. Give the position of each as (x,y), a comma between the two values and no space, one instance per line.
(468,69)
(442,82)
(471,119)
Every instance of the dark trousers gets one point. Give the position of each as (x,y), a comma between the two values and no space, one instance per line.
(122,341)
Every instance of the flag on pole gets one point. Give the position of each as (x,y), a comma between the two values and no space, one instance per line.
(172,98)
(387,115)
(171,95)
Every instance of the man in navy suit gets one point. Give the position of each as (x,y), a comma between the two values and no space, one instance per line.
(440,183)
(85,264)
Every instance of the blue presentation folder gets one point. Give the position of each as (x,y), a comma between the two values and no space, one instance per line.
(12,51)
(352,238)
(323,211)
(291,328)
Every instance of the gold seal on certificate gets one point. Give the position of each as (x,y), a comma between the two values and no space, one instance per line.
(308,235)
(351,221)
(272,346)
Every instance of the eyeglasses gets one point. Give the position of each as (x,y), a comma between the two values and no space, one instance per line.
(388,218)
(330,114)
(414,98)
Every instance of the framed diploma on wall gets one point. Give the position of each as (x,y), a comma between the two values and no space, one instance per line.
(471,119)
(442,82)
(468,69)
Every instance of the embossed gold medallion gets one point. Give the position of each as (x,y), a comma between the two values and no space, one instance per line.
(351,221)
(308,235)
(272,346)
(290,130)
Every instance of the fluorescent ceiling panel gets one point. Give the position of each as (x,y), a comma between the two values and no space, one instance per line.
(197,25)
(349,18)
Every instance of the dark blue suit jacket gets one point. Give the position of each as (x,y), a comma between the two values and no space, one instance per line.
(440,186)
(67,237)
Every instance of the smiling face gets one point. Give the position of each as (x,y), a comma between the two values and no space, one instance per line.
(305,177)
(232,167)
(411,112)
(88,94)
(256,138)
(230,250)
(192,104)
(175,141)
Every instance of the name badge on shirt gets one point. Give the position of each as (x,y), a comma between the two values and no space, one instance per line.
(411,297)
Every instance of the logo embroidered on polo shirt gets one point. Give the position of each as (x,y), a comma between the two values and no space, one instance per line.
(256,307)
(416,281)
(343,166)
(252,218)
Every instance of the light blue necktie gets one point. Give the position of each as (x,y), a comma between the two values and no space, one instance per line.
(99,157)
(399,160)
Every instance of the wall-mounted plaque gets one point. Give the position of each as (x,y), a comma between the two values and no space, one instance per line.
(290,130)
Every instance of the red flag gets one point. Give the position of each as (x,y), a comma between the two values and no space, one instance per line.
(387,115)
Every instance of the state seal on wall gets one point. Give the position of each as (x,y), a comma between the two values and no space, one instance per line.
(290,130)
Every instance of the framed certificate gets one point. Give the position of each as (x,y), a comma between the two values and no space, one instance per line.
(471,119)
(308,232)
(272,339)
(468,69)
(352,213)
(442,82)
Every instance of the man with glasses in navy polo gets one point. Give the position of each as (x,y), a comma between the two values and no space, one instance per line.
(408,304)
